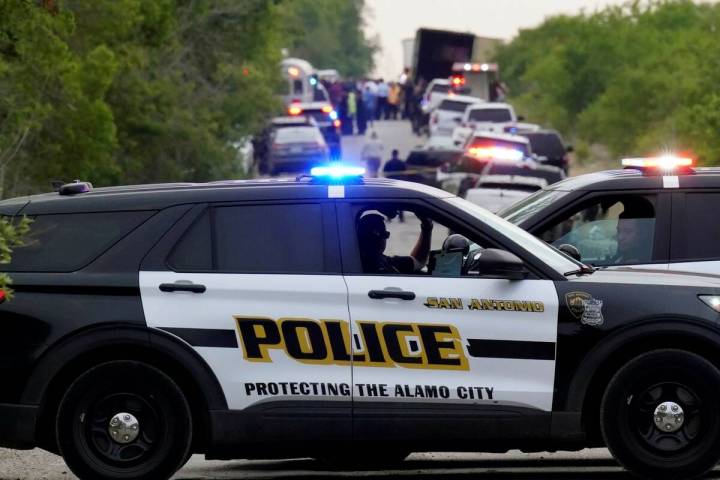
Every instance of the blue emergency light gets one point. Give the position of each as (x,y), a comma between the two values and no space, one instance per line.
(337,171)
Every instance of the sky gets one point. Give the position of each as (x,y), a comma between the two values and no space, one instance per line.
(394,20)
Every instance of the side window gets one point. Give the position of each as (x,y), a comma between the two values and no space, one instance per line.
(254,239)
(615,230)
(68,242)
(702,229)
(193,253)
(397,240)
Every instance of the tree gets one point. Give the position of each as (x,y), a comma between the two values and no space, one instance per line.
(639,78)
(329,34)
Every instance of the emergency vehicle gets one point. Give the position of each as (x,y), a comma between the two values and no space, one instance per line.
(238,319)
(667,206)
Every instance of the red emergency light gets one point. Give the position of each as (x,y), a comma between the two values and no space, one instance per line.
(490,152)
(457,80)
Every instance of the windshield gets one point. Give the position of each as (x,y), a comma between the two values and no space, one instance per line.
(534,247)
(453,105)
(529,206)
(298,134)
(495,115)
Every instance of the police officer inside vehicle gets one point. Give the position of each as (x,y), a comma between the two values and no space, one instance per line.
(373,236)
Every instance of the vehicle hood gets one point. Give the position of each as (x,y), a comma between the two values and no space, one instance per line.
(644,276)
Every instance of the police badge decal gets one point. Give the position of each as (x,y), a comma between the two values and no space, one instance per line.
(574,302)
(592,314)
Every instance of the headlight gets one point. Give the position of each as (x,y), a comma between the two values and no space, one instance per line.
(712,301)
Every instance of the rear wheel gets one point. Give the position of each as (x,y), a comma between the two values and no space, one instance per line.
(123,420)
(659,415)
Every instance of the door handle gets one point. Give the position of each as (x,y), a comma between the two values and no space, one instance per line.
(401,294)
(182,287)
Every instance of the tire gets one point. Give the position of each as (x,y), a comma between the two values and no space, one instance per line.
(634,415)
(86,411)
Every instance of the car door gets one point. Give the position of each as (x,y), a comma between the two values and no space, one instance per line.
(696,232)
(254,289)
(443,358)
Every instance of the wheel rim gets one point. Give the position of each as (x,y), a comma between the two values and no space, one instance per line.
(109,431)
(667,417)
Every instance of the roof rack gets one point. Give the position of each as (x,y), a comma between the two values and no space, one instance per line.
(75,188)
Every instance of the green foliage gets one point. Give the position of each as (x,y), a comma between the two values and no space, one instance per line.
(132,91)
(638,78)
(11,236)
(329,34)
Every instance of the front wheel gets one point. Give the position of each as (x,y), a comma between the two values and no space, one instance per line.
(659,415)
(124,420)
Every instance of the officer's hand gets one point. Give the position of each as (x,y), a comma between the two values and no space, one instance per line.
(426,224)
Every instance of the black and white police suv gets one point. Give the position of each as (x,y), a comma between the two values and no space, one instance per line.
(283,319)
(658,213)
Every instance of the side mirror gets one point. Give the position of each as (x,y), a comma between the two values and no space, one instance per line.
(569,149)
(571,251)
(492,262)
(520,118)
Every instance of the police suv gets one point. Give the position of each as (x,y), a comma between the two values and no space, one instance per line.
(250,319)
(657,213)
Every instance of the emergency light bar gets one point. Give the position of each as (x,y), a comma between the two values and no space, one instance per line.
(496,153)
(663,162)
(475,67)
(337,172)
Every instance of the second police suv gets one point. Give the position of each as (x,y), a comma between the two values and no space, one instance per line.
(269,319)
(657,213)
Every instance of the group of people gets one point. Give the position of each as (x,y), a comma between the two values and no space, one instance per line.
(360,103)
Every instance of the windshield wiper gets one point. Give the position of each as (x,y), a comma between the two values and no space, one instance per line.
(583,270)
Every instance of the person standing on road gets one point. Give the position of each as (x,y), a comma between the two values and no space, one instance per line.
(361,117)
(370,99)
(372,154)
(395,166)
(383,90)
(351,112)
(393,101)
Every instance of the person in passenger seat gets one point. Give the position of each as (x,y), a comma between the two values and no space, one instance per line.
(373,236)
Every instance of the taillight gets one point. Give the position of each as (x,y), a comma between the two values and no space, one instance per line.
(3,296)
(327,109)
(337,123)
(293,110)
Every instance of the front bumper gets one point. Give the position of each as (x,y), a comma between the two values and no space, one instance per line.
(17,426)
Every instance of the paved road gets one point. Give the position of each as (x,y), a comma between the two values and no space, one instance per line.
(587,464)
(392,133)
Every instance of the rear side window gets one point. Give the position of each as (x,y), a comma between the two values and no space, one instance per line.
(68,242)
(546,144)
(491,115)
(453,105)
(254,239)
(701,233)
(438,87)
